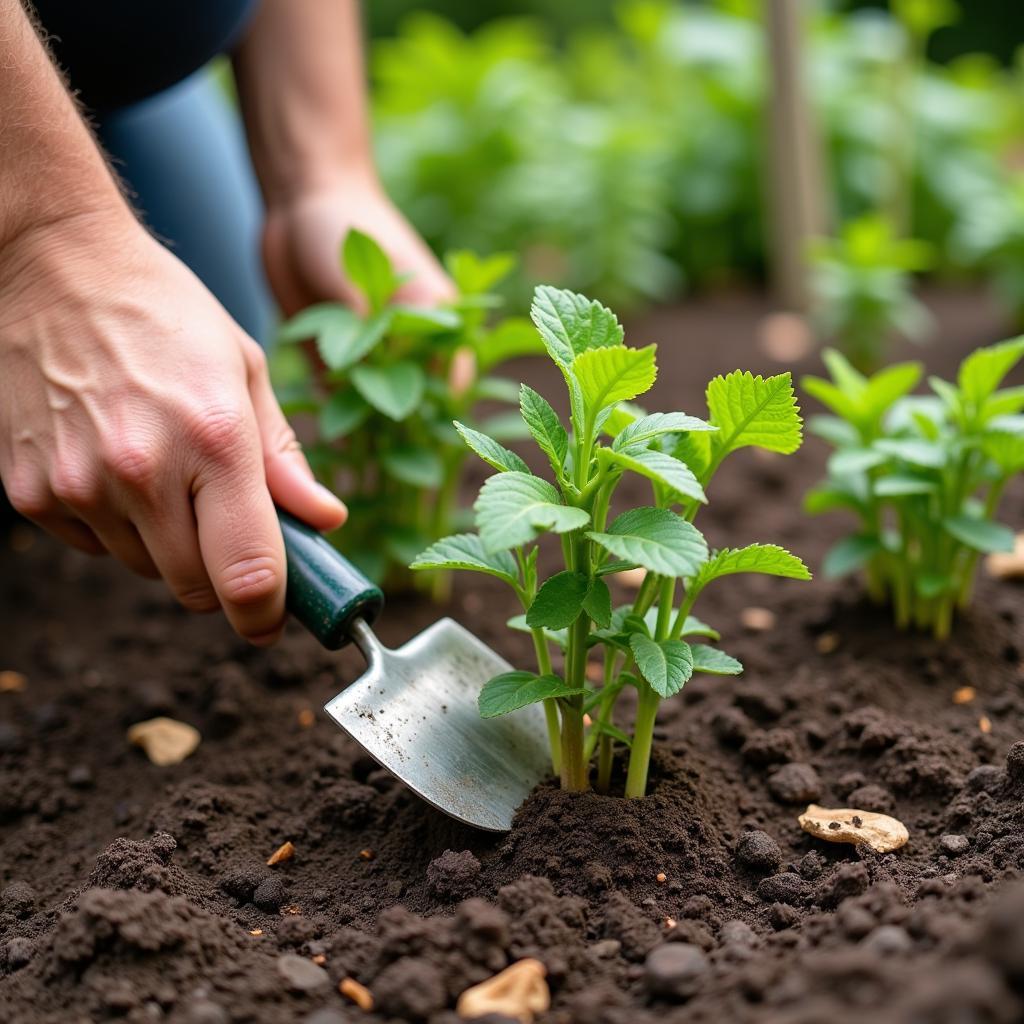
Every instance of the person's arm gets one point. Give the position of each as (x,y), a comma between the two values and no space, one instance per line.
(135,416)
(301,83)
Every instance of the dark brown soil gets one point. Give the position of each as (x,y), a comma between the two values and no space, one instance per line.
(134,892)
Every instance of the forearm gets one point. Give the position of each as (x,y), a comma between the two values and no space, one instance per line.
(50,166)
(303,93)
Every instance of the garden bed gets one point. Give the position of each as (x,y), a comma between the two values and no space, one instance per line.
(104,914)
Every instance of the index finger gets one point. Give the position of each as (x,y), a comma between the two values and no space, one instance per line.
(239,535)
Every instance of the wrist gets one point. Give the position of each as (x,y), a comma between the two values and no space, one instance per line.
(60,244)
(353,175)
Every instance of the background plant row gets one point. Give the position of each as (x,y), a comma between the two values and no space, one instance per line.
(626,161)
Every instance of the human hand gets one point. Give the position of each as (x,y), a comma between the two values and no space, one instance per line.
(137,418)
(302,241)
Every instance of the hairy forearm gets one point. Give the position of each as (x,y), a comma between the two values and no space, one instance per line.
(50,166)
(302,87)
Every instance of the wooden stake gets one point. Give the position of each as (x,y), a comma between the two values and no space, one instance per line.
(796,203)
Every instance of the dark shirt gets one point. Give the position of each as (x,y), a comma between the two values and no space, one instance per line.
(117,52)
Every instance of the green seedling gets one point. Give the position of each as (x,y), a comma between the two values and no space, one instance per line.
(652,643)
(383,388)
(922,474)
(863,289)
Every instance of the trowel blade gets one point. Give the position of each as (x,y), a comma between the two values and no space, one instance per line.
(414,711)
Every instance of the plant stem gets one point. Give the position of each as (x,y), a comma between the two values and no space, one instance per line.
(643,739)
(575,777)
(540,645)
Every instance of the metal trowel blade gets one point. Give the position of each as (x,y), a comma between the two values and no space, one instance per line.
(414,711)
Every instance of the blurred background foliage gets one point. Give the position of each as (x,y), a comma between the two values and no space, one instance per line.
(618,146)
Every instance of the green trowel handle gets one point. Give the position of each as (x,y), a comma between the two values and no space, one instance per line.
(325,591)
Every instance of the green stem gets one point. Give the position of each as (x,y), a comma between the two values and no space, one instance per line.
(643,740)
(540,645)
(574,774)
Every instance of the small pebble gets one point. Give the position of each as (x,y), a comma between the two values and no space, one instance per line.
(1014,762)
(80,777)
(300,974)
(757,620)
(888,940)
(675,971)
(202,1011)
(270,894)
(954,845)
(757,851)
(795,783)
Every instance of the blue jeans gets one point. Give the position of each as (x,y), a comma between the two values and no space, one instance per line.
(183,157)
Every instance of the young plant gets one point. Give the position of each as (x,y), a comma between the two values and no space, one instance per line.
(384,387)
(650,643)
(862,287)
(923,476)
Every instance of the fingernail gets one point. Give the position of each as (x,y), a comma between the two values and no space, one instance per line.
(328,495)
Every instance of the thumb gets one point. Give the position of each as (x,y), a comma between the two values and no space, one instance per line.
(289,479)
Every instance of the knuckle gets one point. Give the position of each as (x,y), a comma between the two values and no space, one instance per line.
(75,485)
(252,580)
(135,463)
(255,357)
(29,500)
(218,432)
(198,598)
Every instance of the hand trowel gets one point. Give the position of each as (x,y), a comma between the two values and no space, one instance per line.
(414,709)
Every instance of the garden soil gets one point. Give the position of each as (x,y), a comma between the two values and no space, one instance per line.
(140,893)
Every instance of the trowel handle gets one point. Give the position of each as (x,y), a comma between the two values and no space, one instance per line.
(326,593)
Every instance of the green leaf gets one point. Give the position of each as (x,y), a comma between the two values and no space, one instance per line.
(694,627)
(310,322)
(850,554)
(514,690)
(656,539)
(617,565)
(466,551)
(559,602)
(666,665)
(423,320)
(571,324)
(494,454)
(767,559)
(559,637)
(838,432)
(414,465)
(661,468)
(757,411)
(513,506)
(933,584)
(610,375)
(598,603)
(642,431)
(902,485)
(713,661)
(545,426)
(607,729)
(1005,450)
(368,268)
(888,386)
(983,370)
(513,337)
(341,414)
(474,274)
(395,390)
(980,534)
(854,460)
(929,454)
(342,336)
